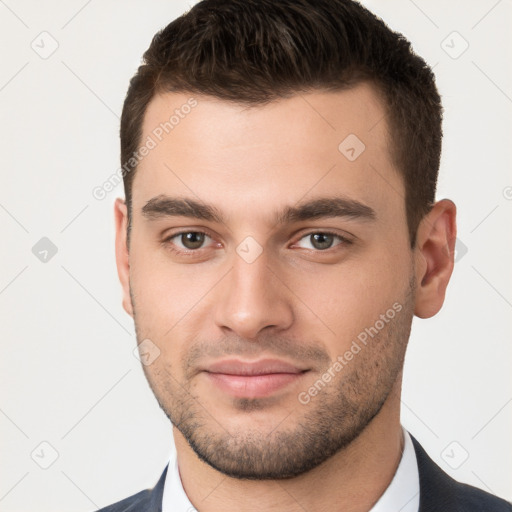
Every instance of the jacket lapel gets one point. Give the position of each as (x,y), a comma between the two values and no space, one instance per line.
(437,489)
(154,503)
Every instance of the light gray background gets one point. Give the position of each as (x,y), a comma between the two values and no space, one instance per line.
(68,374)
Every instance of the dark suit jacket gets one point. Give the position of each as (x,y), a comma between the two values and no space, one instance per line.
(438,493)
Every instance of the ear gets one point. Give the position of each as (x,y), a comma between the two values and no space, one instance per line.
(122,254)
(434,257)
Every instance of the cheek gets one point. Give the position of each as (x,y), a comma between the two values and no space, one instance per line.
(350,297)
(168,297)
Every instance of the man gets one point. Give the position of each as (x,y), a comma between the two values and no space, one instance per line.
(279,233)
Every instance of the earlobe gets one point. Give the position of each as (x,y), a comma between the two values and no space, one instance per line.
(122,253)
(434,258)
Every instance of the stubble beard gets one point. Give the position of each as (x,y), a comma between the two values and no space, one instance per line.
(311,433)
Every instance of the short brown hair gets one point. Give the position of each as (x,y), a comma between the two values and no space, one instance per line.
(256,51)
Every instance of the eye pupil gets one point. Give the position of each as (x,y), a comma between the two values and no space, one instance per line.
(192,240)
(321,240)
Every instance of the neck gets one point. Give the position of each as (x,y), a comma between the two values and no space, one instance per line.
(352,480)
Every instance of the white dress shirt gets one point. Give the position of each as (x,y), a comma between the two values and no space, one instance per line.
(401,495)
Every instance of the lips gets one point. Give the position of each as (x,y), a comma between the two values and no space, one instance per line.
(256,379)
(263,367)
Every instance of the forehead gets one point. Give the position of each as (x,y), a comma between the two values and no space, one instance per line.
(254,157)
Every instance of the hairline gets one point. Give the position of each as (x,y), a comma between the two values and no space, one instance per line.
(376,86)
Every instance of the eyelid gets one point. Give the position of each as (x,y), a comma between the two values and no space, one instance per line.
(167,239)
(344,239)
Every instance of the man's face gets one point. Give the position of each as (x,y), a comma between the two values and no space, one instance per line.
(250,307)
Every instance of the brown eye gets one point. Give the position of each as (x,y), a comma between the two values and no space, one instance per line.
(192,239)
(186,241)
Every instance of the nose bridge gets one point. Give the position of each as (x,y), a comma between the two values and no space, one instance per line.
(252,298)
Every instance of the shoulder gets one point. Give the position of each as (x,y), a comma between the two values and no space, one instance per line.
(439,491)
(470,498)
(149,500)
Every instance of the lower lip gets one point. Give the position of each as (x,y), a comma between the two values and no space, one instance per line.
(253,386)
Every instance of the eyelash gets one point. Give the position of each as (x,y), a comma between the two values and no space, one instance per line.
(189,252)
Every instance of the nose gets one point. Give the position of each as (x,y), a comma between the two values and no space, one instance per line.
(252,298)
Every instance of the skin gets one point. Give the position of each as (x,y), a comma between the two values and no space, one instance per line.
(295,302)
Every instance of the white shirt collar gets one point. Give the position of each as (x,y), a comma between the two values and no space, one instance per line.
(175,499)
(402,494)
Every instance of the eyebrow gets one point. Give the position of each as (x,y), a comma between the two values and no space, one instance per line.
(325,207)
